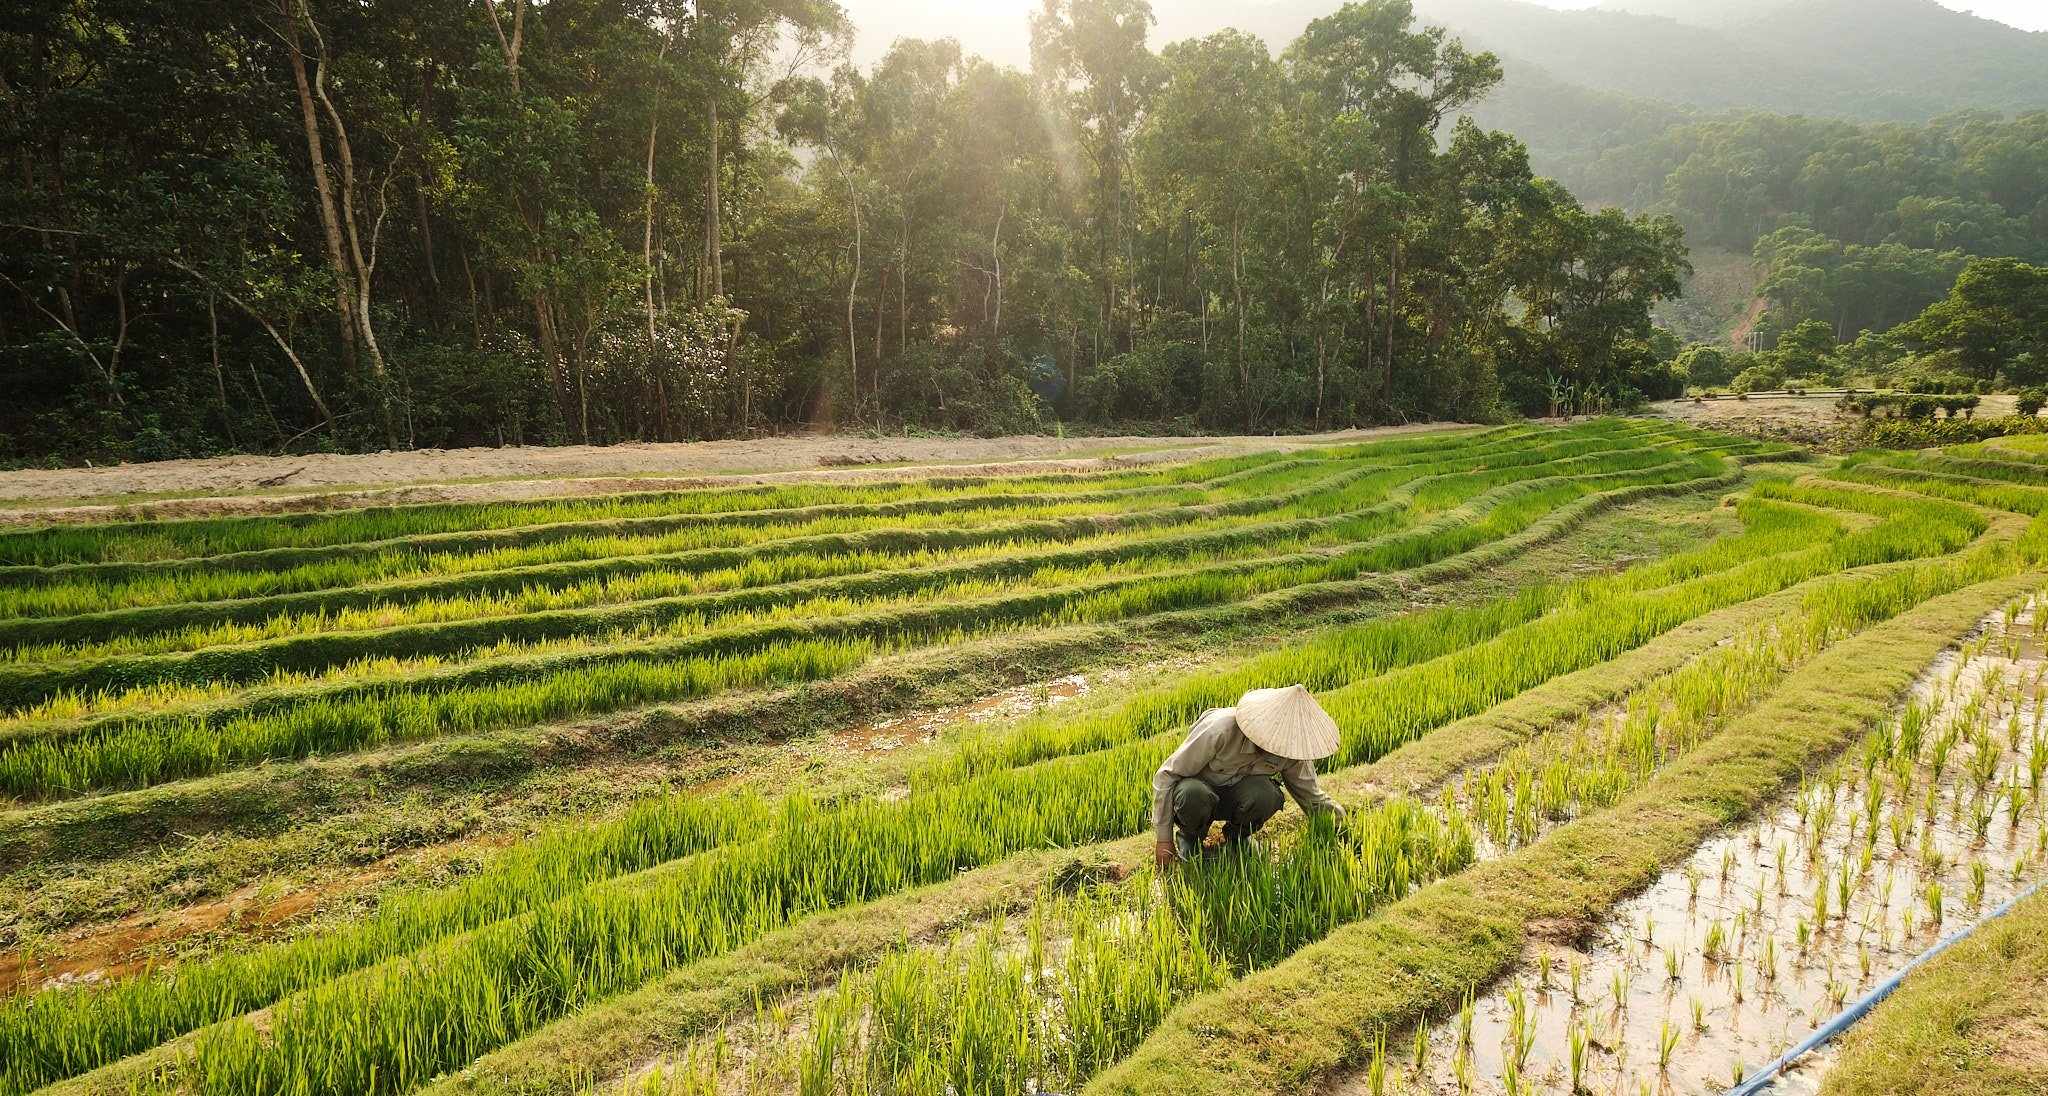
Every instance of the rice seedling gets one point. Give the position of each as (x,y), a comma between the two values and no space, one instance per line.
(1576,1041)
(981,1017)
(910,623)
(401,1003)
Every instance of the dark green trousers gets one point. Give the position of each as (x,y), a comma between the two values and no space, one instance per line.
(1242,807)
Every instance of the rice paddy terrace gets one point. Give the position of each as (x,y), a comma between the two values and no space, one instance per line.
(1657,745)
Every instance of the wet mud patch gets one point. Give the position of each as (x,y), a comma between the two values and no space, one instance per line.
(1768,930)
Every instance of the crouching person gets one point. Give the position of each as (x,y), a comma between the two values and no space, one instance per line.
(1231,766)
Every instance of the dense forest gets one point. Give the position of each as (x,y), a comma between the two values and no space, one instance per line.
(1859,226)
(314,223)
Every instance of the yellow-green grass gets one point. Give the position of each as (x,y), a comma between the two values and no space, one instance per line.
(1113,783)
(617,580)
(116,542)
(104,826)
(55,759)
(896,849)
(1322,1007)
(1470,535)
(269,542)
(603,1042)
(1974,1022)
(1343,648)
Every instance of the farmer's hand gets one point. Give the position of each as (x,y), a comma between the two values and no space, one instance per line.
(1164,853)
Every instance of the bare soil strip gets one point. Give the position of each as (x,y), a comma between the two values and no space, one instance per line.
(329,481)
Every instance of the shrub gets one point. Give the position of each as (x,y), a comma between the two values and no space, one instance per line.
(1760,378)
(1896,434)
(1705,366)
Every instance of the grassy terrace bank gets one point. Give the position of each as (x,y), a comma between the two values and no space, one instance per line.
(695,999)
(1389,972)
(380,701)
(104,825)
(1559,510)
(1913,532)
(1279,1029)
(643,910)
(1969,1024)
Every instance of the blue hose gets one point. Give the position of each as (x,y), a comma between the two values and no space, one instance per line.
(1842,1020)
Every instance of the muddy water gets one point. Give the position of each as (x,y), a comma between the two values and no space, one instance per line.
(1659,1014)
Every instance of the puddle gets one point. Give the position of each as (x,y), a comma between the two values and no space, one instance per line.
(1767,930)
(884,735)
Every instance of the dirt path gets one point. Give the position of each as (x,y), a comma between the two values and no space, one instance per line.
(253,484)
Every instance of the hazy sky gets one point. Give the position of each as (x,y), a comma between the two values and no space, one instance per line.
(996,28)
(2025,14)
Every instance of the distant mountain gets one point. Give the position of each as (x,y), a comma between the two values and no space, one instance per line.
(1866,60)
(1711,13)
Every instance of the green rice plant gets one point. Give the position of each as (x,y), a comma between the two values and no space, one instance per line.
(1667,1042)
(48,1036)
(1042,596)
(857,842)
(498,539)
(151,753)
(158,540)
(942,1022)
(1576,1040)
(698,558)
(615,930)
(467,556)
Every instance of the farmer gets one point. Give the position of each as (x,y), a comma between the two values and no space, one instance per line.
(1225,771)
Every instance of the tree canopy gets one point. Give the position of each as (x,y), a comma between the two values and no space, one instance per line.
(308,223)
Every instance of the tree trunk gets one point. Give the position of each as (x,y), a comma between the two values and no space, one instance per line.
(1244,376)
(852,287)
(903,287)
(714,253)
(509,45)
(323,186)
(284,344)
(1393,290)
(427,241)
(220,382)
(647,231)
(995,251)
(120,333)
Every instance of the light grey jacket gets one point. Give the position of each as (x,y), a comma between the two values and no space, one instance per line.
(1220,754)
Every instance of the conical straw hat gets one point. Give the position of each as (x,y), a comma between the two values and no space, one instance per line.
(1287,722)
